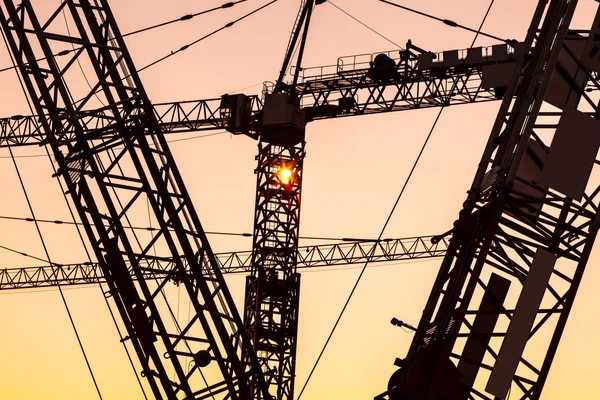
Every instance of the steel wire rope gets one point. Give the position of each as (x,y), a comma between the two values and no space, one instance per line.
(150,228)
(168,141)
(62,295)
(361,274)
(449,23)
(112,314)
(187,46)
(186,17)
(364,24)
(27,255)
(177,316)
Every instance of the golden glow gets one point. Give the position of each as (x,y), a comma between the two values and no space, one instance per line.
(285,175)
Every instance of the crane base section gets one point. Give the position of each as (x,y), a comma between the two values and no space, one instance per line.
(410,383)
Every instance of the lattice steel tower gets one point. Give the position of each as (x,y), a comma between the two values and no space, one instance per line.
(505,288)
(120,166)
(273,287)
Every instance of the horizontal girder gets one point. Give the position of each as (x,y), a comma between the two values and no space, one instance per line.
(340,254)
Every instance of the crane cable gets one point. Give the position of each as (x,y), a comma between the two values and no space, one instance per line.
(361,274)
(449,22)
(365,25)
(187,46)
(48,259)
(151,229)
(62,295)
(186,17)
(110,311)
(25,254)
(168,141)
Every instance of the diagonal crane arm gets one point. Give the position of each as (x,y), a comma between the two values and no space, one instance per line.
(500,303)
(112,169)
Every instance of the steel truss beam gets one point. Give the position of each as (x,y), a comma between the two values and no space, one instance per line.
(329,255)
(272,295)
(345,89)
(177,117)
(122,166)
(506,220)
(273,286)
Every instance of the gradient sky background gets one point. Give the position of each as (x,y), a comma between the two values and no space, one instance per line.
(354,170)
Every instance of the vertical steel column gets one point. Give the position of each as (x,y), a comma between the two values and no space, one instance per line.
(272,289)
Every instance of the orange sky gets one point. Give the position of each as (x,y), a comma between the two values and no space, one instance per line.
(354,170)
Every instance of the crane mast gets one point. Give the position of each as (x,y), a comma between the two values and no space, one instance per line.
(520,245)
(111,171)
(273,287)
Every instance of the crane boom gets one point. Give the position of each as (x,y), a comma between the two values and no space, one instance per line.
(109,171)
(506,285)
(328,255)
(351,87)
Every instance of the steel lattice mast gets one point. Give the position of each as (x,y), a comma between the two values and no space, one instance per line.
(273,287)
(109,171)
(522,241)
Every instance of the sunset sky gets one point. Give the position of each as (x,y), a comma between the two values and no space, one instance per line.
(353,172)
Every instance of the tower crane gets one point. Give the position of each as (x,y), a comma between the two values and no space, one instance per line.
(392,81)
(356,85)
(523,237)
(108,171)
